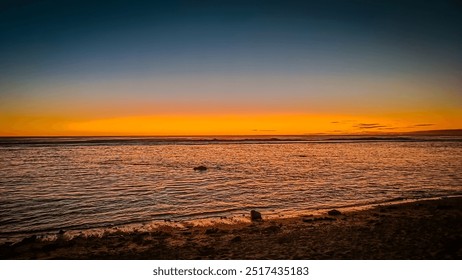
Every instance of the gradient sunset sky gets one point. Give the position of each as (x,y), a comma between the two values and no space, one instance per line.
(229,67)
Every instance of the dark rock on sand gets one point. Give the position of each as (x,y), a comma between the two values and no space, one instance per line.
(200,168)
(334,212)
(255,216)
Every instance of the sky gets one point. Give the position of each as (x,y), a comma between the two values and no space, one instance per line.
(227,67)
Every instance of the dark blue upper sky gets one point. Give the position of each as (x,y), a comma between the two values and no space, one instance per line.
(82,37)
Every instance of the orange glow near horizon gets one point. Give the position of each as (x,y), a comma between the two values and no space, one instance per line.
(231,105)
(175,125)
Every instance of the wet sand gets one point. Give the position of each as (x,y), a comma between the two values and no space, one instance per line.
(429,229)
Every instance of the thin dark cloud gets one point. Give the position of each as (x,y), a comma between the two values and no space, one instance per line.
(424,124)
(369,125)
(343,122)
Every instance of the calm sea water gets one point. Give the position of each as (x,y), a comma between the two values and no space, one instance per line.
(48,184)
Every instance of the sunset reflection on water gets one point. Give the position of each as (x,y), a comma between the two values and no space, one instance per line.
(75,186)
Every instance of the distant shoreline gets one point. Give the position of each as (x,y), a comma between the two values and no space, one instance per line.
(437,132)
(96,140)
(425,229)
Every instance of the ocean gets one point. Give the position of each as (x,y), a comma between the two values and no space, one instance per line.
(83,183)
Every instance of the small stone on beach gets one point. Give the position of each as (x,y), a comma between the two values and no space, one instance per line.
(255,216)
(334,212)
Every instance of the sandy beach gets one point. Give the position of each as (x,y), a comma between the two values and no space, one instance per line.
(430,229)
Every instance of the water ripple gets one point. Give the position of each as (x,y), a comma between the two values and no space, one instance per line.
(53,186)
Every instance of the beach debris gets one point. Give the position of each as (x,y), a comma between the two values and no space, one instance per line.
(200,168)
(334,212)
(255,216)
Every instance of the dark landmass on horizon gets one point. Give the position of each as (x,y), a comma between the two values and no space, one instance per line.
(440,132)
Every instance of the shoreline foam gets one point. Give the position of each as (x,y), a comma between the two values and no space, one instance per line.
(146,226)
(428,229)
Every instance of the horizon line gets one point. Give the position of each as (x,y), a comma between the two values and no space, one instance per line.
(444,132)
